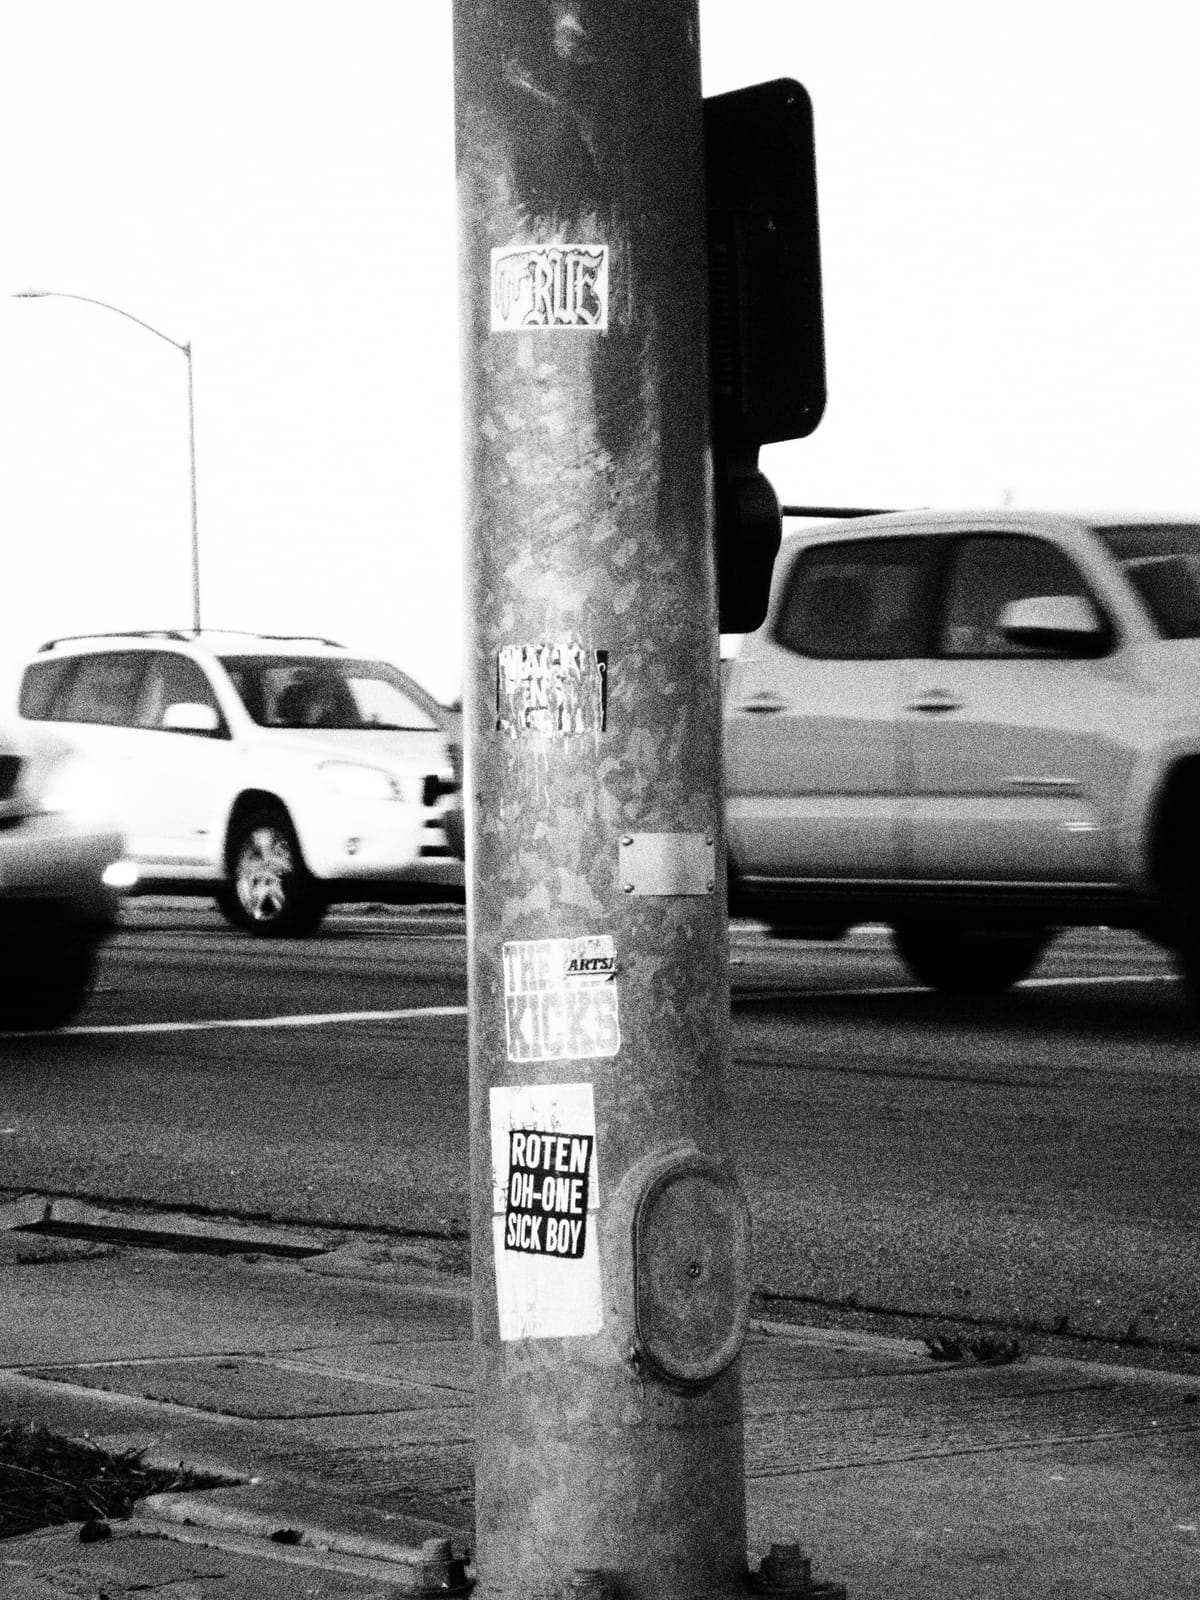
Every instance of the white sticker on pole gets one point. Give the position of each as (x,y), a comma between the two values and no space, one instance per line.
(560,999)
(562,286)
(545,1199)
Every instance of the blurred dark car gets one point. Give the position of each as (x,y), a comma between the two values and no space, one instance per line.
(450,718)
(62,869)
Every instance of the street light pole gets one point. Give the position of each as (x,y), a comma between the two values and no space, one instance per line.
(187,350)
(58,294)
(608,1330)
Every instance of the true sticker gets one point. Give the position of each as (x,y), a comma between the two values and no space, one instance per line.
(550,286)
(560,999)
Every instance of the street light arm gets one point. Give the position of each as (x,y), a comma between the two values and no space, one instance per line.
(60,294)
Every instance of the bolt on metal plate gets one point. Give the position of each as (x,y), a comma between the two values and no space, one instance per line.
(786,1574)
(668,863)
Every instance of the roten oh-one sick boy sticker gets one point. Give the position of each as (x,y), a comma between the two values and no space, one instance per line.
(547,1204)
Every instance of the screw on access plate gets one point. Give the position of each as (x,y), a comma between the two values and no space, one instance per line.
(592,1583)
(787,1573)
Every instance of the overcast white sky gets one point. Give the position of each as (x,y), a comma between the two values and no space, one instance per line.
(1010,237)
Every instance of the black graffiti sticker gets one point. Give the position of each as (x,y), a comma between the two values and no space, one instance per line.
(550,286)
(551,689)
(560,999)
(546,1213)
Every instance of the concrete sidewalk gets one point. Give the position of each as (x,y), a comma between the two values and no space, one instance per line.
(336,1387)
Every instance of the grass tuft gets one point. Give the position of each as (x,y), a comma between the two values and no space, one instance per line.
(46,1480)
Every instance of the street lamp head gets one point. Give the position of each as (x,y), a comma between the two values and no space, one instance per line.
(31,294)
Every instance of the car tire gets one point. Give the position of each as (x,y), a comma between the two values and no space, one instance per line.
(46,979)
(957,960)
(270,892)
(1182,928)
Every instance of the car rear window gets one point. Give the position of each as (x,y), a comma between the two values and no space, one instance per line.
(857,600)
(42,685)
(100,688)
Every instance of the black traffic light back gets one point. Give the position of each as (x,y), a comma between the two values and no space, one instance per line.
(767,343)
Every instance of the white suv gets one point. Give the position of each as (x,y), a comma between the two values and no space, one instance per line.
(278,774)
(978,728)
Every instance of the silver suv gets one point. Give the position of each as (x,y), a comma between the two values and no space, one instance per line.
(277,774)
(978,728)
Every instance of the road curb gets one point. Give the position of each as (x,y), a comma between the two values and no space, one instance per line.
(287,1522)
(49,1216)
(394,1577)
(38,1226)
(840,1338)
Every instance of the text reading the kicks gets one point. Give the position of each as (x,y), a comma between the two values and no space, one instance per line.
(560,999)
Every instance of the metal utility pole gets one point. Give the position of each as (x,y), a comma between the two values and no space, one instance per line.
(611,1247)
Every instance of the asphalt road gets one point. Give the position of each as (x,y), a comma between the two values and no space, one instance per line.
(1026,1167)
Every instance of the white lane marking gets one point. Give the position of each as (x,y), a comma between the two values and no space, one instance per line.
(1113,977)
(915,988)
(321,1019)
(327,1019)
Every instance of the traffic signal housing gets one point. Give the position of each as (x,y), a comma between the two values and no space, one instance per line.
(766,327)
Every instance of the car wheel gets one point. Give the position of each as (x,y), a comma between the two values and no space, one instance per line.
(44,981)
(270,892)
(1182,924)
(960,960)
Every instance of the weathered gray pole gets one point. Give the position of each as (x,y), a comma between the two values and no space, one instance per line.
(610,1237)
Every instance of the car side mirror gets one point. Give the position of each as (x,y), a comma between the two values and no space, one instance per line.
(1065,622)
(188,716)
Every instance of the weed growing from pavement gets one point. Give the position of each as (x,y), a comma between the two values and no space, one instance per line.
(986,1350)
(46,1480)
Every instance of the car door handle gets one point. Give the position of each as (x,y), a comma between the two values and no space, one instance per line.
(763,705)
(935,700)
(1045,785)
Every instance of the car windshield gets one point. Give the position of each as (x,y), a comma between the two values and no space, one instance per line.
(325,692)
(1162,561)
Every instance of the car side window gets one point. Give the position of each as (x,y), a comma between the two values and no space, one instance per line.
(858,600)
(104,688)
(986,573)
(382,704)
(1169,586)
(172,679)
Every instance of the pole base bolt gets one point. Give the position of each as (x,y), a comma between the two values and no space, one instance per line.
(592,1583)
(440,1570)
(787,1573)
